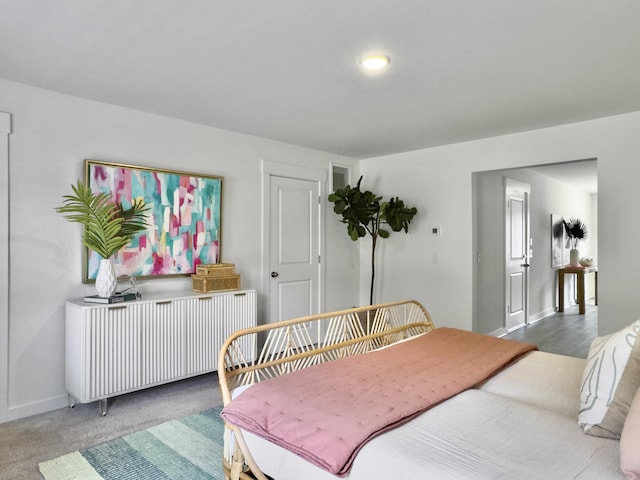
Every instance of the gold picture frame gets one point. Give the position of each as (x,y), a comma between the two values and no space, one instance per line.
(184,217)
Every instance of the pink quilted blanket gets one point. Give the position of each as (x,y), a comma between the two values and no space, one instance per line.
(327,412)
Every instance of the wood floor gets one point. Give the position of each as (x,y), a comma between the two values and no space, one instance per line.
(566,333)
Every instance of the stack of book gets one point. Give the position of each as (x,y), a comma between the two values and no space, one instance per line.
(117,298)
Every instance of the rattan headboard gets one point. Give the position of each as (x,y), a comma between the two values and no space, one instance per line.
(299,343)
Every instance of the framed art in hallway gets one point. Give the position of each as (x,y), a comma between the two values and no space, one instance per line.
(184,219)
(559,250)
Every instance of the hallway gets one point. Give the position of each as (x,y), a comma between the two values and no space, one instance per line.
(566,333)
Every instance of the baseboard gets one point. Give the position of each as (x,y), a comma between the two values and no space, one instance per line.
(29,409)
(501,332)
(539,316)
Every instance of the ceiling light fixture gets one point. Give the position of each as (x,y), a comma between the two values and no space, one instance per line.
(375,62)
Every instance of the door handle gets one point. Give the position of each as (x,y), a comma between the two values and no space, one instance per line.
(525,265)
(274,274)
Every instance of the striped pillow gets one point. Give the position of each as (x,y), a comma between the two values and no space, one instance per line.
(609,382)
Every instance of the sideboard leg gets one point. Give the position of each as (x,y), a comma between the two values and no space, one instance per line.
(103,406)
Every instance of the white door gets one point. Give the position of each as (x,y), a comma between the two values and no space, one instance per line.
(294,248)
(517,245)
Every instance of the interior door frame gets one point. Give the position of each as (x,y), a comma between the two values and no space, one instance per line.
(271,169)
(510,183)
(5,130)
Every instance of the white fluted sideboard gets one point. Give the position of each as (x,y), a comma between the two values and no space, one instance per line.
(119,348)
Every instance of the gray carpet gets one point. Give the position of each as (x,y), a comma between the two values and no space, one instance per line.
(25,443)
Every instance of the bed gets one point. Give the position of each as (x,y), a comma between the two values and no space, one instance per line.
(518,419)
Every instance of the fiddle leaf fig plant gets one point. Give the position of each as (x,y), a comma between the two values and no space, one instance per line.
(109,227)
(365,213)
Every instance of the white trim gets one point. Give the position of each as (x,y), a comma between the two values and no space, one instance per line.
(276,169)
(543,314)
(5,130)
(332,165)
(5,123)
(501,332)
(288,170)
(34,408)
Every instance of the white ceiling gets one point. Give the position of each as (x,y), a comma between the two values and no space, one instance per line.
(287,69)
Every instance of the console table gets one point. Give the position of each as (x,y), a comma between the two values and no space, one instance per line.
(579,272)
(119,348)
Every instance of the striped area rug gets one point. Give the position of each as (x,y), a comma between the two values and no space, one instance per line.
(189,448)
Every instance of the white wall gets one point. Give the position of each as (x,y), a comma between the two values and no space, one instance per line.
(439,182)
(547,196)
(52,135)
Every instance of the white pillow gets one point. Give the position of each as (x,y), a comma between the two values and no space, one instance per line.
(630,442)
(609,382)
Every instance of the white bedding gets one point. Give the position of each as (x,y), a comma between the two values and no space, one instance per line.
(547,380)
(521,424)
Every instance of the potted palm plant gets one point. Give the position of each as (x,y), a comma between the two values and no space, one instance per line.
(365,214)
(576,230)
(108,227)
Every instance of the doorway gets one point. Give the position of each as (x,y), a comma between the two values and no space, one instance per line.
(568,188)
(293,241)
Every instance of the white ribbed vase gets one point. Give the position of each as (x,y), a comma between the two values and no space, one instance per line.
(106,281)
(574,257)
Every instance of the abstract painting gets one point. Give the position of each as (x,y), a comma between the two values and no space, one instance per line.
(559,250)
(184,219)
